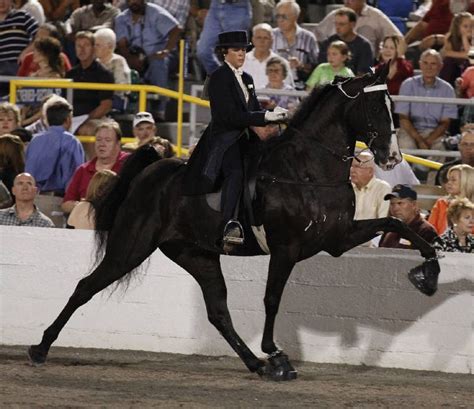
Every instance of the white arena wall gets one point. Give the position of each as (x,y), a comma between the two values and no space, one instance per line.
(358,309)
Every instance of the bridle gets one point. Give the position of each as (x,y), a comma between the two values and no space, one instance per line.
(372,134)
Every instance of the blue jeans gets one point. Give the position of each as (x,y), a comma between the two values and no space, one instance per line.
(221,17)
(157,74)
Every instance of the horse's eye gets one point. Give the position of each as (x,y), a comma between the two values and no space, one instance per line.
(376,109)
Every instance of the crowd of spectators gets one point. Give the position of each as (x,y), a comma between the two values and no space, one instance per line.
(126,41)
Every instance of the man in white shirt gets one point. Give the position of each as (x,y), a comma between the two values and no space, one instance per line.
(256,60)
(372,24)
(369,190)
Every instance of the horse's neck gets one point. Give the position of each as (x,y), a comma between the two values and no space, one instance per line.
(311,155)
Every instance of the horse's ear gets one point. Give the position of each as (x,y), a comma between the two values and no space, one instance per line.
(381,73)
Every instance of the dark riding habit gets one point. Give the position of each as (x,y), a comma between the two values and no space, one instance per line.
(231,117)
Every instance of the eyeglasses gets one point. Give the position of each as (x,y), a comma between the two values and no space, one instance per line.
(282,17)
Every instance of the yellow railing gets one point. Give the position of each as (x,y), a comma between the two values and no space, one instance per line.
(143,90)
(410,158)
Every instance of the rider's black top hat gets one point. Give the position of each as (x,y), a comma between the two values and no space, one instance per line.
(236,39)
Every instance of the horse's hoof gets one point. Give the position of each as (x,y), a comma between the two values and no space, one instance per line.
(278,369)
(425,277)
(37,355)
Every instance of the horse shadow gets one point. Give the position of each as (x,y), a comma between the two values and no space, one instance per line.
(371,318)
(335,307)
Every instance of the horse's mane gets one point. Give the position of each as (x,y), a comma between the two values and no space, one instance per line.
(107,207)
(307,106)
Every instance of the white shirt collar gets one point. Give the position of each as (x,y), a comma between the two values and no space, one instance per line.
(236,71)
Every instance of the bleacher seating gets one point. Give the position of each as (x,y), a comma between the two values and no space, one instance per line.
(396,8)
(397,11)
(428,194)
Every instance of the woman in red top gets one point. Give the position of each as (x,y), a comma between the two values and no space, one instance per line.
(400,68)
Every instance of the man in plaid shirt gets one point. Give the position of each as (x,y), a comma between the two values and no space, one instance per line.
(24,212)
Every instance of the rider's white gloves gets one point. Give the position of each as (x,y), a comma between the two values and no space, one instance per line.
(279,114)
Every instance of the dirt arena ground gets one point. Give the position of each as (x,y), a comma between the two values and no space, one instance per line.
(92,378)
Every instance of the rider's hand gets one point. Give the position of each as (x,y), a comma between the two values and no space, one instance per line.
(279,114)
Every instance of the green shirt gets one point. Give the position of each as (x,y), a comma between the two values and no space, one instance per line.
(324,74)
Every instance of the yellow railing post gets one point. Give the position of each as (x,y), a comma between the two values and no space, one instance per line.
(13,92)
(142,100)
(179,135)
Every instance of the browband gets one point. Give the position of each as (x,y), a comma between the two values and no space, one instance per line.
(373,88)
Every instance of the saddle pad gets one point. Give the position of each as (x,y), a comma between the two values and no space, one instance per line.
(214,202)
(260,235)
(214,199)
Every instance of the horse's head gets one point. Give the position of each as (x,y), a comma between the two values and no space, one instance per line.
(370,116)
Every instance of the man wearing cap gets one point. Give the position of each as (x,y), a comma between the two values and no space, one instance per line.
(144,130)
(403,205)
(234,110)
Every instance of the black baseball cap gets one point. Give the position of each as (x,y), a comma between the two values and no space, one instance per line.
(402,192)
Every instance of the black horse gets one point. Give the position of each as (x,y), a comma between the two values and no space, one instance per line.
(306,205)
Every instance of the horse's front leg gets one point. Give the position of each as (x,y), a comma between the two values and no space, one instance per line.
(423,277)
(278,367)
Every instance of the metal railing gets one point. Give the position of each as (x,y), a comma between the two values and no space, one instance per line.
(179,95)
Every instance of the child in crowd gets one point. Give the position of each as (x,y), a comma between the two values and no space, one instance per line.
(460,185)
(457,45)
(392,51)
(338,53)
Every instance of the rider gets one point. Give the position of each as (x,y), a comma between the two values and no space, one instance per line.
(234,109)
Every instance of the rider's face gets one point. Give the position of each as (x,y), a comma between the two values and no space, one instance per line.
(236,56)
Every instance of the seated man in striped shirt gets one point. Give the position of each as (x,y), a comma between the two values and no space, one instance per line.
(295,44)
(17,30)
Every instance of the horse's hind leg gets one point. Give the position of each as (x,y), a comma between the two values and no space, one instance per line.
(116,263)
(423,277)
(205,267)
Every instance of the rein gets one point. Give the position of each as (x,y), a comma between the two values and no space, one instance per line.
(274,179)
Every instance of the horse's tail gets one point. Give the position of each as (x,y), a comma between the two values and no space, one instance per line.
(107,207)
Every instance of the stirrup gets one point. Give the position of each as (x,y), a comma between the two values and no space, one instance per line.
(230,239)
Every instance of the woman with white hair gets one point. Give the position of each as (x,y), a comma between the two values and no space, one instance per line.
(105,42)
